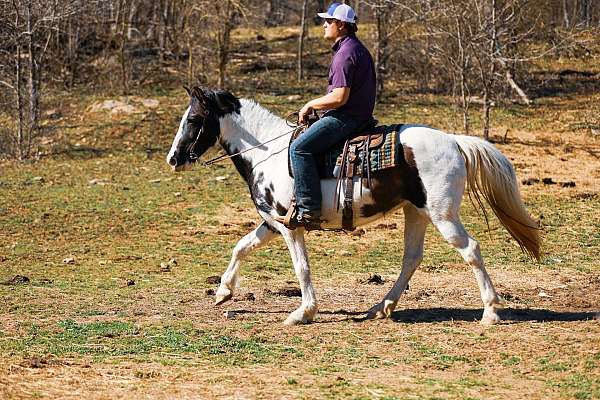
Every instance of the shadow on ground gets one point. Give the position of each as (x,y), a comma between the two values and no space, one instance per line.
(508,314)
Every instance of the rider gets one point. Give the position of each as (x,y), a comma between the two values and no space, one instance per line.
(349,102)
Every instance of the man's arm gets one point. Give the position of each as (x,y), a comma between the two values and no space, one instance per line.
(332,100)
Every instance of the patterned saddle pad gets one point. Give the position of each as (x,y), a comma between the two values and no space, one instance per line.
(388,155)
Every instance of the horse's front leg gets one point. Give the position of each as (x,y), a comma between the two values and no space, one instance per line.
(253,240)
(308,309)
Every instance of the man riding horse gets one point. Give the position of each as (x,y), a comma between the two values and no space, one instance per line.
(349,104)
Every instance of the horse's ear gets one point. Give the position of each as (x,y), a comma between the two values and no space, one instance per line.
(187,89)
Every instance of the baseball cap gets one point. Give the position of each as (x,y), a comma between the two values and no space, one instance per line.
(341,12)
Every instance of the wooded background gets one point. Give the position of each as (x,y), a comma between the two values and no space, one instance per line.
(478,51)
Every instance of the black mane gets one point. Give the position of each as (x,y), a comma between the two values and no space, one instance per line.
(218,102)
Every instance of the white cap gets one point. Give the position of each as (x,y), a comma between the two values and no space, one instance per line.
(341,12)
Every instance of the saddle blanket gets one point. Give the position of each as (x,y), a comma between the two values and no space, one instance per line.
(388,155)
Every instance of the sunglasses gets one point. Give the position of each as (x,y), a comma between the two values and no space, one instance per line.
(330,20)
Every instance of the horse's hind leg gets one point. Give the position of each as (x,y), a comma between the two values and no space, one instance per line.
(258,237)
(415,226)
(454,232)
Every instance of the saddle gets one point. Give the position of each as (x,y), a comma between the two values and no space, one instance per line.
(351,163)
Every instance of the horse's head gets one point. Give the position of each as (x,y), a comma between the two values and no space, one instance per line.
(199,128)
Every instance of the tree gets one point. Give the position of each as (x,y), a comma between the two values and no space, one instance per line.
(301,37)
(29,26)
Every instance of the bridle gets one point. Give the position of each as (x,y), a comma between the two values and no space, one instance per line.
(192,147)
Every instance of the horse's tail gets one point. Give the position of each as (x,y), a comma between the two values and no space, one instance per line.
(491,175)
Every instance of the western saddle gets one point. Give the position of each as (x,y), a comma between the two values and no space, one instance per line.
(351,163)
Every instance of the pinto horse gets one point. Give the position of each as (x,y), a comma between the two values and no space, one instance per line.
(428,186)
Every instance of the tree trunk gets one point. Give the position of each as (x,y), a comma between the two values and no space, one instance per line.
(487,83)
(462,59)
(565,14)
(124,62)
(33,83)
(223,42)
(303,31)
(586,11)
(381,50)
(19,93)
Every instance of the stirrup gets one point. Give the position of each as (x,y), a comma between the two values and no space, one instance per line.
(290,219)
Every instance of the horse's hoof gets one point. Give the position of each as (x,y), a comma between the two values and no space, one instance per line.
(292,320)
(380,311)
(223,294)
(490,318)
(301,317)
(376,315)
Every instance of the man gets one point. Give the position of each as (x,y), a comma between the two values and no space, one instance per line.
(349,102)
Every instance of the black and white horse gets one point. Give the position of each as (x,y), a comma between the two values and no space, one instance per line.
(429,187)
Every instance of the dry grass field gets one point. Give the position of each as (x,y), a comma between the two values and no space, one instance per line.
(87,311)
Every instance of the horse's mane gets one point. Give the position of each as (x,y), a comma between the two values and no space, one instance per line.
(259,121)
(221,102)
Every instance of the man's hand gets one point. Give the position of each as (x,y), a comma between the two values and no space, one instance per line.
(304,112)
(334,99)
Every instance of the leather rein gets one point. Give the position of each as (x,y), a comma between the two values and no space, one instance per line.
(194,156)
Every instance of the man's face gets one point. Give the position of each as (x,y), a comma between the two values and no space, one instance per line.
(332,29)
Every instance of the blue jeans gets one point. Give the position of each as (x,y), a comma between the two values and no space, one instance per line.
(332,128)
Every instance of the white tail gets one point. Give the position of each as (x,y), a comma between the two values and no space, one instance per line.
(491,175)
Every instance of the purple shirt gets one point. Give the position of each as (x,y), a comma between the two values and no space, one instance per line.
(352,66)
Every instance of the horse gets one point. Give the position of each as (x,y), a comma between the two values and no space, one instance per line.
(428,186)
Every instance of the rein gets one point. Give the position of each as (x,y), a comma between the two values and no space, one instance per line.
(228,156)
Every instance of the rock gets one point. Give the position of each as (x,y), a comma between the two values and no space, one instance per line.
(213,280)
(229,314)
(287,291)
(128,282)
(358,232)
(220,178)
(373,279)
(177,194)
(97,181)
(393,225)
(530,181)
(17,280)
(345,253)
(114,106)
(150,103)
(38,179)
(164,267)
(69,260)
(294,97)
(53,113)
